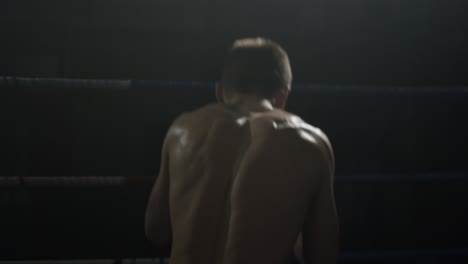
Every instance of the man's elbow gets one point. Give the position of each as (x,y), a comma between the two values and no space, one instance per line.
(150,232)
(322,249)
(157,236)
(323,259)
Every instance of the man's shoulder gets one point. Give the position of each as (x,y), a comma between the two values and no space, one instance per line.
(198,120)
(293,124)
(278,124)
(297,132)
(318,141)
(314,133)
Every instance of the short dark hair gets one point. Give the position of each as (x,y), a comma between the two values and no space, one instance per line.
(256,66)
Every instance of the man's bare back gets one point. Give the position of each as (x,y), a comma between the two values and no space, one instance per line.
(240,187)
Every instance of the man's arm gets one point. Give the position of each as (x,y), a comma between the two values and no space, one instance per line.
(157,216)
(320,230)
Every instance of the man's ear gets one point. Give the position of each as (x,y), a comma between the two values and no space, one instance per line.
(281,99)
(219,93)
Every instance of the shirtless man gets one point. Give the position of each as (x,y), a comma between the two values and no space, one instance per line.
(242,181)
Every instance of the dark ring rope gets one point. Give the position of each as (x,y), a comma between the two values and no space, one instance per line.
(147,180)
(17,82)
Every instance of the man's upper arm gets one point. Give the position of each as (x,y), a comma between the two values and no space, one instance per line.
(320,231)
(157,216)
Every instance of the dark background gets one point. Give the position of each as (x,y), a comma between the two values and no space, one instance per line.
(403,42)
(386,80)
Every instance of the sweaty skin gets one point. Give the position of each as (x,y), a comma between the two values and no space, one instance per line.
(240,187)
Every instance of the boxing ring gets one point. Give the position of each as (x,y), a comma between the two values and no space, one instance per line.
(80,157)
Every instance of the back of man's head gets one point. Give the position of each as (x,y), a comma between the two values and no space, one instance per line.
(256,66)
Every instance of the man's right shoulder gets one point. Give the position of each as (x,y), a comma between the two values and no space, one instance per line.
(315,133)
(306,136)
(293,125)
(319,141)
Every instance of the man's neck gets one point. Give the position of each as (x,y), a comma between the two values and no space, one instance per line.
(249,104)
